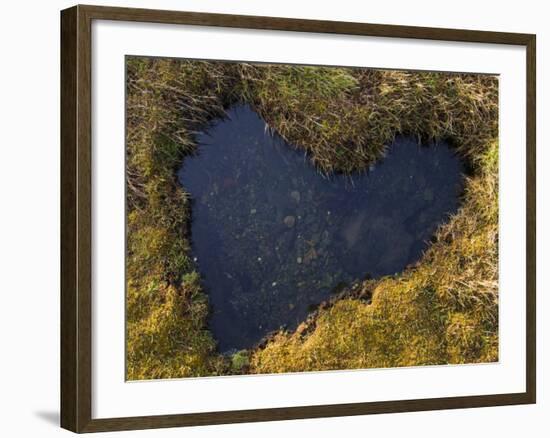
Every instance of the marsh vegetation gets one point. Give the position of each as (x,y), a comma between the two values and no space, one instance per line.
(417,294)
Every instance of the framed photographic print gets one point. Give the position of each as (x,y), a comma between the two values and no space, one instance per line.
(268,218)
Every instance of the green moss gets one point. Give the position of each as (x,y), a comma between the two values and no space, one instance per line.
(442,311)
(169,338)
(240,361)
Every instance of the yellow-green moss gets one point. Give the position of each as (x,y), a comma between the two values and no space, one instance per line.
(166,309)
(442,311)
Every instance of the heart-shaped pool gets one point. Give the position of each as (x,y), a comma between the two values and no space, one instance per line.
(273,238)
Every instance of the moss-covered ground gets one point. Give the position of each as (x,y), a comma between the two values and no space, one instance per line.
(443,310)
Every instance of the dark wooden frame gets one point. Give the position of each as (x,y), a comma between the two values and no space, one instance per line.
(76,305)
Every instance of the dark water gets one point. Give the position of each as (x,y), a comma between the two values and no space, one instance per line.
(273,238)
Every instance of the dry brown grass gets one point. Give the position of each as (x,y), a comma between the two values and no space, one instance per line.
(443,311)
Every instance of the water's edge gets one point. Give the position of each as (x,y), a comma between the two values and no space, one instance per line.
(273,238)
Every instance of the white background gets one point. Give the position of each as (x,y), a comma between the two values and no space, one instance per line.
(29,173)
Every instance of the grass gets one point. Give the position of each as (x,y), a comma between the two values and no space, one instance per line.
(443,310)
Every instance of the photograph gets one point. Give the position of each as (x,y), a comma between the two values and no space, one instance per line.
(285,218)
(274,219)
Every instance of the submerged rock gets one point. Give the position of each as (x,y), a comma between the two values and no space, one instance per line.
(352,229)
(428,195)
(289,221)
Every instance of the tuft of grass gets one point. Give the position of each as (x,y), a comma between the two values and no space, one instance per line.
(442,311)
(347,120)
(240,362)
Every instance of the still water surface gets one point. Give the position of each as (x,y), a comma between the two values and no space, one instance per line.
(273,238)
